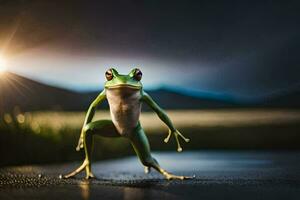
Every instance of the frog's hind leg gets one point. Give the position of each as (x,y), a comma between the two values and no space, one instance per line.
(104,128)
(141,146)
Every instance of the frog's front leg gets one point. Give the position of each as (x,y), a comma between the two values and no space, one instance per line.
(88,148)
(141,146)
(104,128)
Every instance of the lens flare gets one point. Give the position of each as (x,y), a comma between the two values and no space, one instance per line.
(2,65)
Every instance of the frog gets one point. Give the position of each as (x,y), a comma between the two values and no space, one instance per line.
(125,96)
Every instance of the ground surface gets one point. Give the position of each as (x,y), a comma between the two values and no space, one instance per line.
(219,175)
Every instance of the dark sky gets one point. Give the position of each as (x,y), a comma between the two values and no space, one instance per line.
(246,48)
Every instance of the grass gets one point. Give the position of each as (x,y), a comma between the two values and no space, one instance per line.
(46,137)
(182,119)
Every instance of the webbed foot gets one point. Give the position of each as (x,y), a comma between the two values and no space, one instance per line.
(85,165)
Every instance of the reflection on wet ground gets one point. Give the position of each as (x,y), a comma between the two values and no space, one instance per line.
(219,174)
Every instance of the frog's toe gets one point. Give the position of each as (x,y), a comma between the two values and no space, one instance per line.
(189,177)
(66,176)
(175,177)
(90,176)
(147,170)
(76,171)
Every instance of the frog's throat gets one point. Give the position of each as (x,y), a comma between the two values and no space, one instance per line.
(124,86)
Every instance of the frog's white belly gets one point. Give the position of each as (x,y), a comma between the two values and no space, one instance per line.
(125,108)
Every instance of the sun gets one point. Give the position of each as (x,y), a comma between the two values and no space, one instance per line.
(2,65)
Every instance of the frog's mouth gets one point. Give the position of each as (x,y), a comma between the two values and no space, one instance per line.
(135,87)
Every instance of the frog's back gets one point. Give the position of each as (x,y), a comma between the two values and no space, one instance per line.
(125,108)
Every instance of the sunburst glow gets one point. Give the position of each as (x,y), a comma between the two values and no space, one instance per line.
(2,65)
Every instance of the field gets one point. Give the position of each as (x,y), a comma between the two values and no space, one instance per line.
(43,137)
(182,119)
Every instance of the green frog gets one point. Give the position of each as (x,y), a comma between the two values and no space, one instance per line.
(125,95)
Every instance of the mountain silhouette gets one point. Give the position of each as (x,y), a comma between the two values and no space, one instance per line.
(29,95)
(287,98)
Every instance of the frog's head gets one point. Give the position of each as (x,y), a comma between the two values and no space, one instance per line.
(116,80)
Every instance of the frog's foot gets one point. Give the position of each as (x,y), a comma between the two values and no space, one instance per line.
(170,176)
(147,170)
(177,135)
(90,175)
(80,144)
(85,165)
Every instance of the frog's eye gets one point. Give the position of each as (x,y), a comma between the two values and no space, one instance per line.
(138,74)
(109,75)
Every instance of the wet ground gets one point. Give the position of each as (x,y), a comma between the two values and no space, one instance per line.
(219,175)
